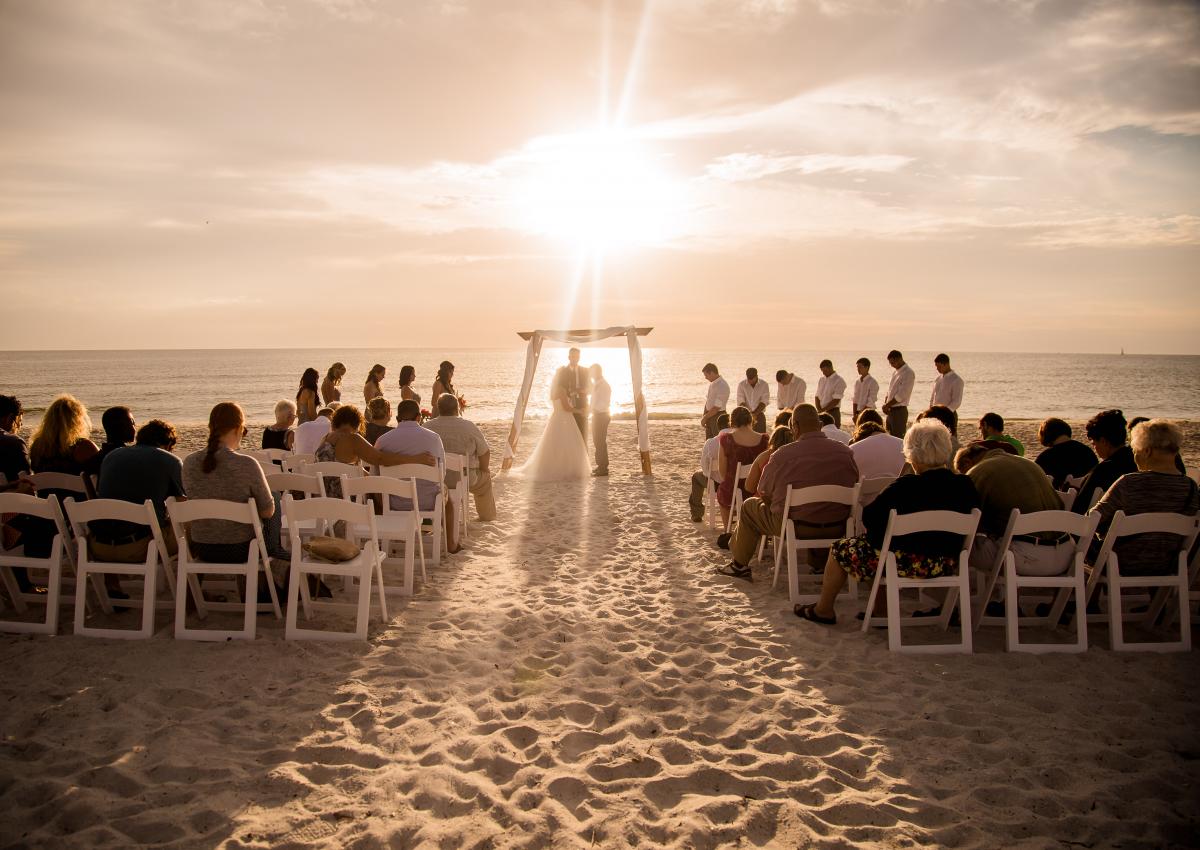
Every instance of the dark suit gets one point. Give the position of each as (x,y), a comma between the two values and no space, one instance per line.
(575,381)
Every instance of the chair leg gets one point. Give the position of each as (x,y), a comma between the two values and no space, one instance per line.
(378,571)
(81,585)
(250,617)
(893,601)
(1081,633)
(1116,635)
(869,611)
(296,578)
(1012,614)
(149,592)
(364,605)
(964,597)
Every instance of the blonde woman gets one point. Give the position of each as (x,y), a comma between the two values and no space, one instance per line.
(331,387)
(62,441)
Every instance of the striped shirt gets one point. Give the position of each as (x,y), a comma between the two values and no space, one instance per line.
(1141,493)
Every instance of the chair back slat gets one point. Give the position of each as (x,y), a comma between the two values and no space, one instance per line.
(328,509)
(419,471)
(833,493)
(1155,523)
(456,463)
(81,513)
(23,503)
(295,482)
(59,481)
(358,489)
(334,469)
(949,522)
(198,509)
(1061,522)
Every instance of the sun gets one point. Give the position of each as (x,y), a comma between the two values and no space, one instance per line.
(601,190)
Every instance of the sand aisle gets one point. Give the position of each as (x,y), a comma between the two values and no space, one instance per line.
(580,677)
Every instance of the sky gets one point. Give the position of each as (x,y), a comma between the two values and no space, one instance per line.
(982,176)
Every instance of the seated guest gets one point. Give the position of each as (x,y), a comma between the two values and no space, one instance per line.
(832,431)
(811,459)
(219,471)
(409,437)
(14,454)
(460,436)
(280,435)
(780,437)
(991,429)
(1063,456)
(145,470)
(379,414)
(119,431)
(1138,420)
(947,417)
(741,445)
(1156,486)
(925,555)
(708,466)
(876,452)
(783,419)
(1003,482)
(61,442)
(345,444)
(309,435)
(1106,433)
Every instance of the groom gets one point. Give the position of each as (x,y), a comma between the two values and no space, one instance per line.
(574,379)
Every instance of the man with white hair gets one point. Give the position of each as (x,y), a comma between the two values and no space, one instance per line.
(462,437)
(926,555)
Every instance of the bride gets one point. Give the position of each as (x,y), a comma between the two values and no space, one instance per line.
(561,455)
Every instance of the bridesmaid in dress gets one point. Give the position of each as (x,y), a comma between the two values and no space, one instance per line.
(373,387)
(443,384)
(331,387)
(307,398)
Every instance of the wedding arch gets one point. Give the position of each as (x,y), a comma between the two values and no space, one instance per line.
(580,337)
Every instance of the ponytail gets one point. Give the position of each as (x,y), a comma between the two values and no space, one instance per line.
(224,418)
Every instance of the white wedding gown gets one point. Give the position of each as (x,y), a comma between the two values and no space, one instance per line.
(561,454)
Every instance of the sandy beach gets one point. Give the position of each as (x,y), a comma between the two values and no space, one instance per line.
(580,677)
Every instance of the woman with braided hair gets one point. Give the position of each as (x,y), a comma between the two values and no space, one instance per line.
(219,471)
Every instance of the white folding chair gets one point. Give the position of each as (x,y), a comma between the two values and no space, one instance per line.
(296,462)
(958,586)
(1081,529)
(394,526)
(436,515)
(93,510)
(786,543)
(365,567)
(461,493)
(711,508)
(61,482)
(271,460)
(304,485)
(1067,498)
(45,509)
(868,490)
(1107,571)
(257,561)
(1073,481)
(735,506)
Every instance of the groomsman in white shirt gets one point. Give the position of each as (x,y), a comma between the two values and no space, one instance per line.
(895,405)
(830,390)
(715,402)
(789,390)
(755,395)
(947,387)
(866,388)
(601,399)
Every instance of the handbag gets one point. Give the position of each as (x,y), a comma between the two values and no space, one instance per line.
(332,550)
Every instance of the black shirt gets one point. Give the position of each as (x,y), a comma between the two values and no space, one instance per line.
(135,474)
(275,439)
(932,490)
(1104,476)
(1067,458)
(14,456)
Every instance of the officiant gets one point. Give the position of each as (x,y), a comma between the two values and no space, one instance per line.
(574,379)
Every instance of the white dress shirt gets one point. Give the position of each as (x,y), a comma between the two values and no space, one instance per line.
(718,394)
(601,396)
(866,393)
(709,454)
(947,390)
(752,396)
(833,432)
(829,389)
(901,386)
(879,454)
(310,434)
(790,394)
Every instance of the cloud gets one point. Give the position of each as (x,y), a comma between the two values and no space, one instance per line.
(738,167)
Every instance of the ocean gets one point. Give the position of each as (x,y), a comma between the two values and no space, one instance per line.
(181,386)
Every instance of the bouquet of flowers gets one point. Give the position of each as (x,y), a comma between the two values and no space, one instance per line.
(462,402)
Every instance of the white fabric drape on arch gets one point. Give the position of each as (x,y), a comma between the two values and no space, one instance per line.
(534,352)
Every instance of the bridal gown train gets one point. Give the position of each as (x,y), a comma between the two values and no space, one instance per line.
(561,455)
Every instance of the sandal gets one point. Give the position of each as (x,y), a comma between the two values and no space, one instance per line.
(809,612)
(735,570)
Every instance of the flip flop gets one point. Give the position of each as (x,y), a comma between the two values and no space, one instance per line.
(809,612)
(732,570)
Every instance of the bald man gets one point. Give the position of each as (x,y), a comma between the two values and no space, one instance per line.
(812,459)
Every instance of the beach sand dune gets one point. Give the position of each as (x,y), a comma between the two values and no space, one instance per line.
(580,677)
